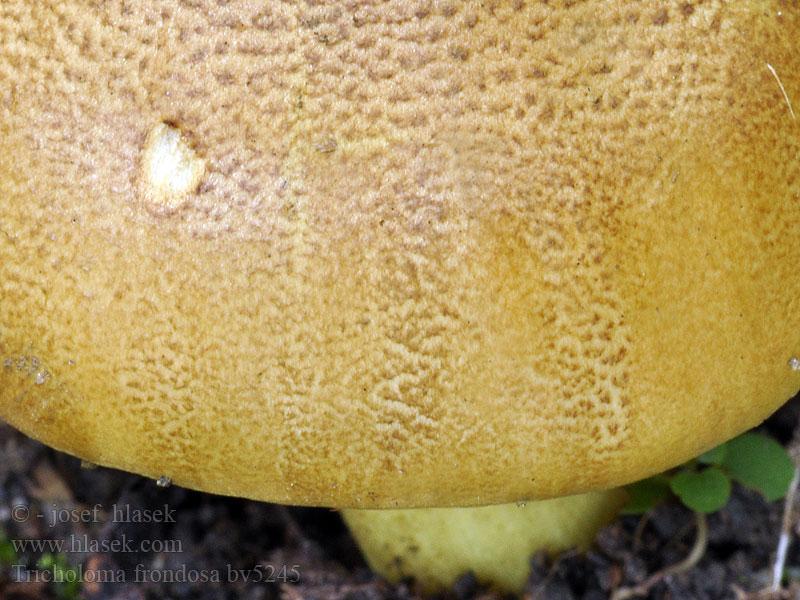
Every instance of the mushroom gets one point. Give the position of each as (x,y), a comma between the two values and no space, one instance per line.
(406,254)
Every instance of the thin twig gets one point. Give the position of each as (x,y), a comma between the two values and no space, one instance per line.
(787,524)
(785,95)
(697,552)
(639,531)
(786,532)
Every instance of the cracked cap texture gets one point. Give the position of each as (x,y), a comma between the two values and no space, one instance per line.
(414,253)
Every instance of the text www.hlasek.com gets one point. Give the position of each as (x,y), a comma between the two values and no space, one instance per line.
(83,543)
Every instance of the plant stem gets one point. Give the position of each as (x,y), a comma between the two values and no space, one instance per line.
(697,552)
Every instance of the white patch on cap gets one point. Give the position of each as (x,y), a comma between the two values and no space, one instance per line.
(170,170)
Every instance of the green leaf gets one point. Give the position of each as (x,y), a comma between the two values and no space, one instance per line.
(46,561)
(715,456)
(645,494)
(8,556)
(704,491)
(67,580)
(71,587)
(760,462)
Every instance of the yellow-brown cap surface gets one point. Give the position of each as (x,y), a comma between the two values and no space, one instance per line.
(415,253)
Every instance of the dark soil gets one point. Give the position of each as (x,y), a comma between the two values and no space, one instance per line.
(207,547)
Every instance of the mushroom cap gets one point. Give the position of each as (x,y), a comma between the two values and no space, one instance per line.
(413,253)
